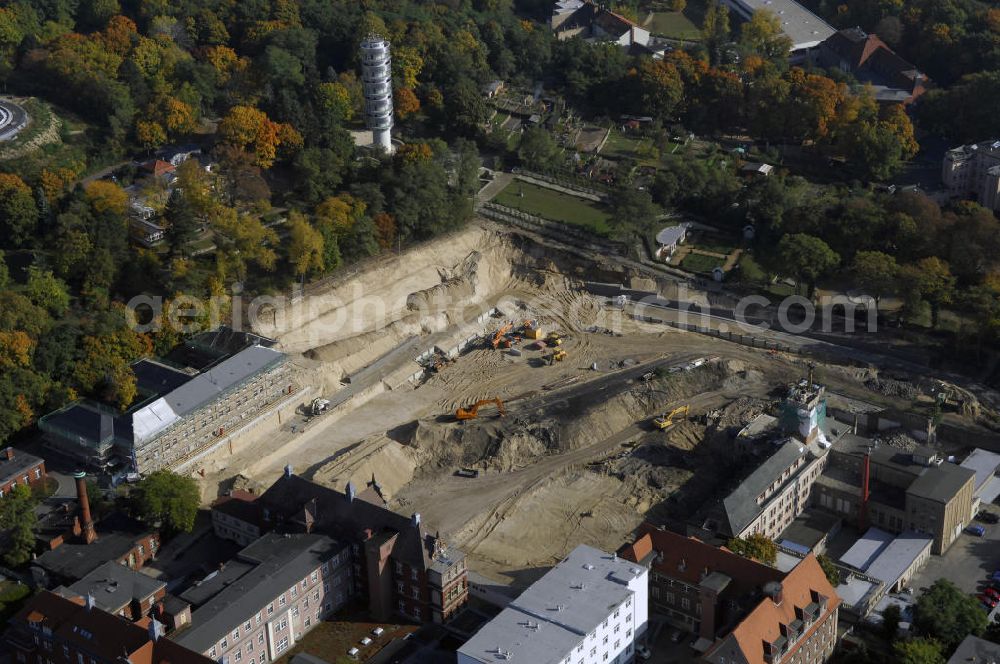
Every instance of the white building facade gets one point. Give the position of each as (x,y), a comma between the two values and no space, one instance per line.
(592,608)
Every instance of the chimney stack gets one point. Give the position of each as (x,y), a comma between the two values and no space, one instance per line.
(773,590)
(288,470)
(155,630)
(86,522)
(91,603)
(350,492)
(416,519)
(9,452)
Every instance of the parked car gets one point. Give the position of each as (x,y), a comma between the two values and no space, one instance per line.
(987,517)
(987,600)
(978,531)
(995,576)
(990,591)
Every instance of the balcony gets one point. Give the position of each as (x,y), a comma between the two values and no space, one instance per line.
(380,107)
(376,73)
(381,122)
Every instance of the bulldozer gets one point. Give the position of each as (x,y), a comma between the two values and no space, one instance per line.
(666,421)
(554,339)
(558,355)
(472,412)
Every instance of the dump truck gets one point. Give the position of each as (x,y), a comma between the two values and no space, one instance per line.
(472,412)
(666,421)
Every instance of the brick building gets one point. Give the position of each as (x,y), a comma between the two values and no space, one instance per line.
(19,468)
(258,606)
(119,590)
(892,79)
(742,612)
(906,490)
(236,518)
(397,564)
(52,629)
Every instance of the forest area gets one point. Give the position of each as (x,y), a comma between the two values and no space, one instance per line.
(270,89)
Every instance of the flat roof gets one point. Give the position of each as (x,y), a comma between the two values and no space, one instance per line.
(975,649)
(867,549)
(854,591)
(808,529)
(899,556)
(804,28)
(557,612)
(984,464)
(113,586)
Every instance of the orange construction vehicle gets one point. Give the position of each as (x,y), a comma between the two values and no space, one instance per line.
(472,412)
(498,336)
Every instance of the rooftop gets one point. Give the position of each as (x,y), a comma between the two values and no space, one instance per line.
(106,635)
(671,235)
(278,562)
(741,506)
(804,28)
(116,536)
(557,612)
(982,462)
(866,549)
(941,483)
(899,556)
(114,586)
(14,463)
(977,650)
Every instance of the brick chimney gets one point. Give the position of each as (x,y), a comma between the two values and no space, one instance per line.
(9,453)
(86,522)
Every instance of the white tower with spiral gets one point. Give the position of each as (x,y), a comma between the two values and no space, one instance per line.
(376,78)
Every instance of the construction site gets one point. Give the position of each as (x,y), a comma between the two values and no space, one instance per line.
(482,384)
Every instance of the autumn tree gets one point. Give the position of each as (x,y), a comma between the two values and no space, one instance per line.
(166,499)
(918,651)
(106,196)
(756,546)
(305,248)
(250,129)
(406,103)
(105,366)
(244,239)
(762,35)
(18,212)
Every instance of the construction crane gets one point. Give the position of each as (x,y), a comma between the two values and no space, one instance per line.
(667,421)
(472,412)
(498,336)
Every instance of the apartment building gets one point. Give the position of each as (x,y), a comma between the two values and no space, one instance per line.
(794,449)
(591,608)
(897,490)
(19,468)
(890,78)
(52,629)
(262,604)
(398,566)
(741,611)
(180,412)
(973,171)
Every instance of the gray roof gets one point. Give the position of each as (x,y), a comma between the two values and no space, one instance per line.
(114,586)
(868,547)
(804,28)
(984,464)
(975,649)
(116,536)
(941,483)
(153,418)
(587,585)
(899,556)
(281,561)
(671,235)
(215,582)
(11,469)
(741,505)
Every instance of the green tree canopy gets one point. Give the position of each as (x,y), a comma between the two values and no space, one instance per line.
(806,257)
(17,517)
(166,498)
(946,613)
(917,651)
(757,546)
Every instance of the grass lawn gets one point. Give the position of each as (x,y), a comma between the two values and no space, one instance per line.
(714,247)
(700,263)
(331,640)
(620,146)
(679,25)
(555,205)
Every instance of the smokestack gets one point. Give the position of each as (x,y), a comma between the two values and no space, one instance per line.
(86,522)
(9,452)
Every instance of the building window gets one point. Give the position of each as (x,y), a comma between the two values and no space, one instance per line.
(413,574)
(224,644)
(236,634)
(270,609)
(281,601)
(239,655)
(282,644)
(247,626)
(282,624)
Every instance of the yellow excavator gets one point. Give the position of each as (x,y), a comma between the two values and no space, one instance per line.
(558,355)
(666,421)
(472,412)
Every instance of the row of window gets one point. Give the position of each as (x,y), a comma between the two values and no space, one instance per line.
(25,479)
